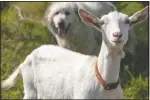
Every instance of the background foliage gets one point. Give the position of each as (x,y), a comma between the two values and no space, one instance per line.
(19,38)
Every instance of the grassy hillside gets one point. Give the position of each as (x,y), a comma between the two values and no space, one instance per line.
(19,38)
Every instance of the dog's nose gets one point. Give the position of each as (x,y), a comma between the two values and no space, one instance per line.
(117,34)
(61,24)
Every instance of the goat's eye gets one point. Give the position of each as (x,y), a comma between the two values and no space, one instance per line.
(101,22)
(67,13)
(127,21)
(57,13)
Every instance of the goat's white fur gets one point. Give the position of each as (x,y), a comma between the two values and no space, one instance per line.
(54,72)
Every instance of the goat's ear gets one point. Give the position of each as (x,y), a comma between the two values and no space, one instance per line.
(88,18)
(139,16)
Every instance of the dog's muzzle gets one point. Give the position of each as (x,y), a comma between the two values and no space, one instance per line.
(62,30)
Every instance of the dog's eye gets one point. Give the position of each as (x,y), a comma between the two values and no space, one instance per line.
(57,13)
(67,13)
(127,21)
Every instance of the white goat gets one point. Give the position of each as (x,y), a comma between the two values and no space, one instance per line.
(54,72)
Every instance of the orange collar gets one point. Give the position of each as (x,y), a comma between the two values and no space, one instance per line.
(102,82)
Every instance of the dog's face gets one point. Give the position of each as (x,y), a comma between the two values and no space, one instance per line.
(62,15)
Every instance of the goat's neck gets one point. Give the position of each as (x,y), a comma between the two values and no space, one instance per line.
(109,63)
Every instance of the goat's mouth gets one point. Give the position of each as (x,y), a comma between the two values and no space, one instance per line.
(117,41)
(62,30)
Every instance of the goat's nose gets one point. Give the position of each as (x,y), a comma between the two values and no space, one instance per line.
(117,34)
(61,24)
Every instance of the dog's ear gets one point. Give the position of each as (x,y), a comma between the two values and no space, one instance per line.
(46,16)
(75,7)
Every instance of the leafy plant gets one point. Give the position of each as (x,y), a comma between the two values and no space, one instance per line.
(136,88)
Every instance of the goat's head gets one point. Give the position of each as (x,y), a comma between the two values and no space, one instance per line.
(114,26)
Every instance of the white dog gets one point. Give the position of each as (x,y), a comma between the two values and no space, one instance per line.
(70,32)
